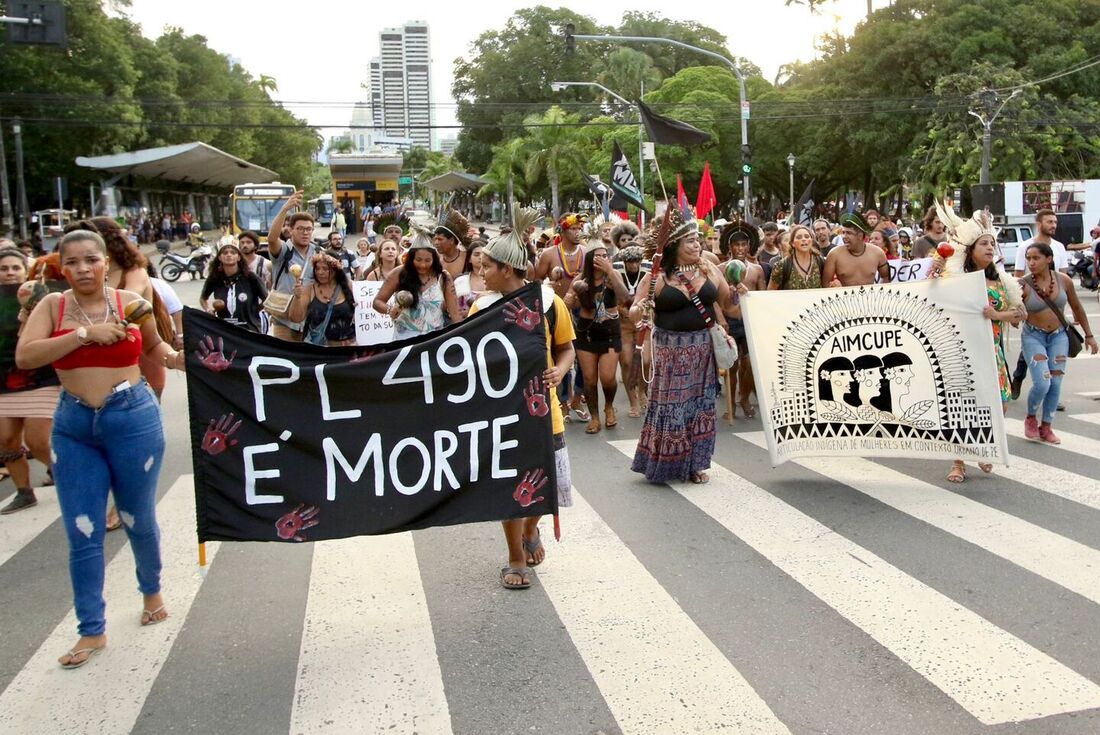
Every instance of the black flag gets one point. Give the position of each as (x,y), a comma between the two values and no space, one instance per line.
(666,131)
(803,211)
(601,191)
(623,182)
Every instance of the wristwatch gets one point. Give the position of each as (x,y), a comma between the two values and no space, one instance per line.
(82,335)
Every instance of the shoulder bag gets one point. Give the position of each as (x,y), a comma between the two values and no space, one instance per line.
(277,303)
(725,349)
(316,335)
(1076,341)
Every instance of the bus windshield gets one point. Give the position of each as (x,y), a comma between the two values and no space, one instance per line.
(257,214)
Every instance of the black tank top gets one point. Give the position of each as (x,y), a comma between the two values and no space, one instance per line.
(674,311)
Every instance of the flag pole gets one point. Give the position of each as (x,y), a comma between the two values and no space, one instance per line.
(202,557)
(660,178)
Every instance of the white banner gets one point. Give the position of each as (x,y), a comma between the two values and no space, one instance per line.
(903,271)
(893,370)
(371,328)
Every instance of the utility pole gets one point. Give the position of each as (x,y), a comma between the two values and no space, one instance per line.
(790,166)
(20,187)
(988,99)
(5,192)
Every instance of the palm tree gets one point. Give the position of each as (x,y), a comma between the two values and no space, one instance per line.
(438,164)
(628,71)
(553,151)
(267,83)
(508,161)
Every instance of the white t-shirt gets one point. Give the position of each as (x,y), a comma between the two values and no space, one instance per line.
(167,295)
(1061,260)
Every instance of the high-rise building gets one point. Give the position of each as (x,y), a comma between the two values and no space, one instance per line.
(400,83)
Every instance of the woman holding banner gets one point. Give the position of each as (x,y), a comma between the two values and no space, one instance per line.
(974,242)
(326,306)
(107,432)
(678,435)
(504,266)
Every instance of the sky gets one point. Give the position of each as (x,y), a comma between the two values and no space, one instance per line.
(319,61)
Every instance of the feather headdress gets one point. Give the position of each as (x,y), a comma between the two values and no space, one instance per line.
(962,234)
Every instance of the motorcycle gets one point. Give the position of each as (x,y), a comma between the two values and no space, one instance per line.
(1083,269)
(173,265)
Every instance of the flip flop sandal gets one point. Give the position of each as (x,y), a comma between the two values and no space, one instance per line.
(699,478)
(523,573)
(611,420)
(985,467)
(957,475)
(593,427)
(531,547)
(582,412)
(148,617)
(77,664)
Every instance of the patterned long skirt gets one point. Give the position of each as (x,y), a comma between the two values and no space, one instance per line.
(678,434)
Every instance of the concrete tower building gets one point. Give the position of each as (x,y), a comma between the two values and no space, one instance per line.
(400,82)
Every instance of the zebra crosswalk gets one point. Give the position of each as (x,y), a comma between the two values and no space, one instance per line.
(832,595)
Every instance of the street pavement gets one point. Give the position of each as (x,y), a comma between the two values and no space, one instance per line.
(828,596)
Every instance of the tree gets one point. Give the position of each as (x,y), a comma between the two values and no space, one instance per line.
(341,144)
(508,163)
(627,71)
(552,152)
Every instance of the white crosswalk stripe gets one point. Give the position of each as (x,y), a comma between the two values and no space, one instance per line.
(366,650)
(993,675)
(44,698)
(368,653)
(1092,418)
(31,522)
(1059,559)
(657,671)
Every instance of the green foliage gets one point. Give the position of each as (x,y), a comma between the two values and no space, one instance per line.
(318,181)
(114,90)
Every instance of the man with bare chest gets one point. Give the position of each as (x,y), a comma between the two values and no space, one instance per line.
(562,263)
(855,264)
(451,239)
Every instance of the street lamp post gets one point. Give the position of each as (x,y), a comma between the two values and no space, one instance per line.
(558,86)
(790,167)
(20,186)
(728,62)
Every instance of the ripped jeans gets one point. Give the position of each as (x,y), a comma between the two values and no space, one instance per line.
(1046,374)
(119,447)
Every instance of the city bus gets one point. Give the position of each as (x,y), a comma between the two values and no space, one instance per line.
(321,209)
(254,206)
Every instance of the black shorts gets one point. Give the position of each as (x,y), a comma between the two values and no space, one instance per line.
(598,337)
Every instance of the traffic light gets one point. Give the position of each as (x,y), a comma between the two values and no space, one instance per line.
(746,160)
(570,42)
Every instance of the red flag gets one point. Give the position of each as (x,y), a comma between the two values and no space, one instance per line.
(707,198)
(681,195)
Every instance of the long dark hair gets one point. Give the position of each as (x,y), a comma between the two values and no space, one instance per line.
(587,298)
(969,266)
(1044,250)
(668,260)
(869,362)
(409,280)
(217,270)
(338,274)
(825,385)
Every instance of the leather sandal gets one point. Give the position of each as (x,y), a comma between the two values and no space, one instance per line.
(593,426)
(610,419)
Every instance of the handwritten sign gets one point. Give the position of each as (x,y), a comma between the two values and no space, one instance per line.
(371,328)
(903,271)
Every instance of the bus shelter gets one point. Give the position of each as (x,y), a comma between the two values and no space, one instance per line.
(364,179)
(190,176)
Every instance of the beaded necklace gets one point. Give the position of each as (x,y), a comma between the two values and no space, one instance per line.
(578,263)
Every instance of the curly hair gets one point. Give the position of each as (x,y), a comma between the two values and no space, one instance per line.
(119,248)
(338,274)
(623,228)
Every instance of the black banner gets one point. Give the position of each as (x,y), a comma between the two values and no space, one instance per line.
(667,131)
(622,179)
(294,442)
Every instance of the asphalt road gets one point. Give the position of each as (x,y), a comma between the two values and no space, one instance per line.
(854,597)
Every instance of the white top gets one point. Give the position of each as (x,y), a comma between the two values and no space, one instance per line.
(1061,260)
(167,295)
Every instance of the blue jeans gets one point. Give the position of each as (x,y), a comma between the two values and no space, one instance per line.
(1046,375)
(118,447)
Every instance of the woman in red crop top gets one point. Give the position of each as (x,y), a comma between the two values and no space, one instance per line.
(107,432)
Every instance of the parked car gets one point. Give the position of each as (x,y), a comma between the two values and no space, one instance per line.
(1009,239)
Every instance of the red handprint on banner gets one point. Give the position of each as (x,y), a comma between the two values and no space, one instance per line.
(217,437)
(290,526)
(525,491)
(535,393)
(521,316)
(212,358)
